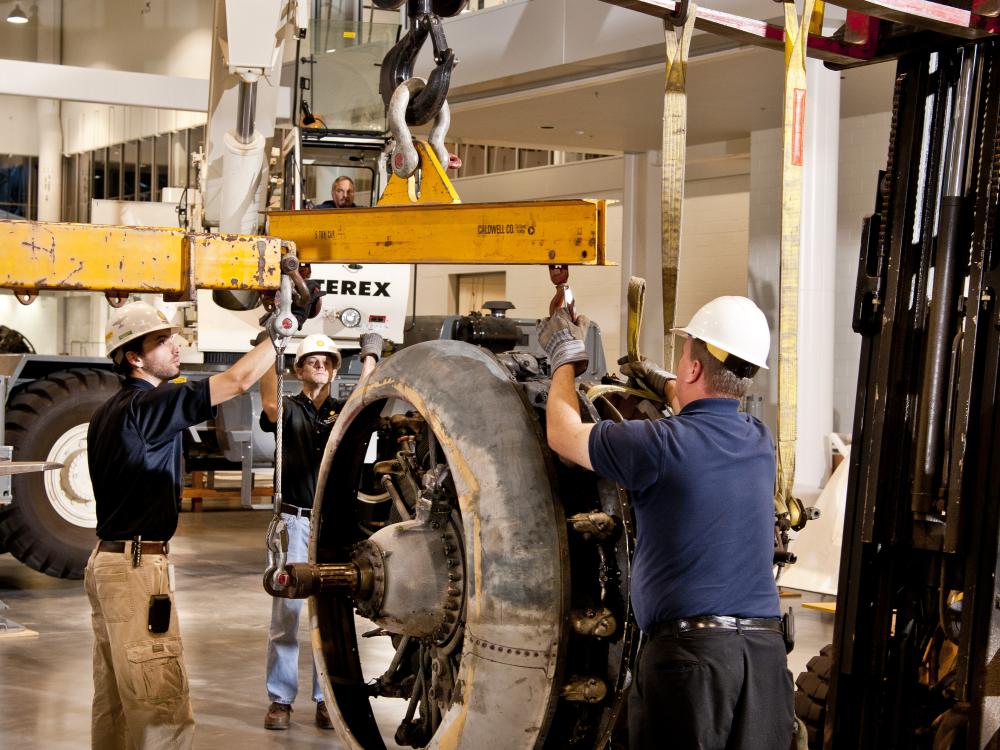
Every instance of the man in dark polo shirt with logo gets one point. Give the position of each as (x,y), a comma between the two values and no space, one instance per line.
(713,671)
(308,418)
(141,697)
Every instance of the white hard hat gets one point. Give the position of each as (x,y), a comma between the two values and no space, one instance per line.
(734,325)
(317,343)
(134,321)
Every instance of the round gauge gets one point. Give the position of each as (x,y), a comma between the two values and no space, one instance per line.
(350,317)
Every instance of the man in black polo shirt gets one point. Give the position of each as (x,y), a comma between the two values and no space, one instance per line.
(713,671)
(308,418)
(141,697)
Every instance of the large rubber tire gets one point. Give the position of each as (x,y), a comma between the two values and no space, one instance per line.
(810,695)
(39,416)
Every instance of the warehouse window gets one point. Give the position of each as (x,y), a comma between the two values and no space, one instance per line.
(18,176)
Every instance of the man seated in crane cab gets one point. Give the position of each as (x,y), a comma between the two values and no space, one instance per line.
(307,419)
(713,671)
(141,697)
(341,194)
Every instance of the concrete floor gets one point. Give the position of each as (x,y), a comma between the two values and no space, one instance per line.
(46,685)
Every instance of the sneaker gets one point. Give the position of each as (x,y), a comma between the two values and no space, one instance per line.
(323,716)
(279,716)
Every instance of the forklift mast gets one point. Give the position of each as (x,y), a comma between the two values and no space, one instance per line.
(917,625)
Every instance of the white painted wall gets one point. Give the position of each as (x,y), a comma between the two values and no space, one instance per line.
(714,239)
(169,38)
(18,135)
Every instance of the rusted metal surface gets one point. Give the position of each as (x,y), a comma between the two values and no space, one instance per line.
(118,260)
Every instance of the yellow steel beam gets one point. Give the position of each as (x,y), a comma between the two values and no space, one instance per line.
(40,255)
(567,232)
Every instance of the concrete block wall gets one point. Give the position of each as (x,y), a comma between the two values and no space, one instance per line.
(864,144)
(714,239)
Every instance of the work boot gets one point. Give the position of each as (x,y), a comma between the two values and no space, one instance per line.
(279,716)
(323,716)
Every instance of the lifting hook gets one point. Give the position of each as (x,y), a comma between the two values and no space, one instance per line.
(559,274)
(397,66)
(405,160)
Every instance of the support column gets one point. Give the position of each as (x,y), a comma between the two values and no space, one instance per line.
(641,237)
(50,138)
(817,268)
(817,275)
(49,160)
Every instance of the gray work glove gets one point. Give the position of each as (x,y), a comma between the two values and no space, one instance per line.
(371,346)
(562,340)
(648,374)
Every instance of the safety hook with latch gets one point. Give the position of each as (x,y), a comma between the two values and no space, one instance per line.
(397,66)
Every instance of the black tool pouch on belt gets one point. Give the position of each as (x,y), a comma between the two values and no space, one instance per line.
(159,613)
(788,630)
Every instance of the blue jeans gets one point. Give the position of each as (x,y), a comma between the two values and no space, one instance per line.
(282,639)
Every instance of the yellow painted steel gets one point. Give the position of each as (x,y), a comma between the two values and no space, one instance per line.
(433,185)
(40,255)
(796,39)
(567,232)
(678,41)
(235,261)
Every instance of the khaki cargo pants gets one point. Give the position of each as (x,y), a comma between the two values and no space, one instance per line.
(141,698)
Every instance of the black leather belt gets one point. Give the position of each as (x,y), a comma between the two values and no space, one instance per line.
(148,548)
(714,622)
(295,510)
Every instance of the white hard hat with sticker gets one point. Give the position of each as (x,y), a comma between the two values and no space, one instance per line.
(133,321)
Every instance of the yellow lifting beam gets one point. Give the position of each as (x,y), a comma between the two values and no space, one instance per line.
(422,220)
(40,255)
(419,220)
(543,232)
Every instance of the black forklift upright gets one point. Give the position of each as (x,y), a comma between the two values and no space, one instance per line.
(917,628)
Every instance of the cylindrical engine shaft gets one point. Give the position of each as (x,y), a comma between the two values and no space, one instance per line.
(302,580)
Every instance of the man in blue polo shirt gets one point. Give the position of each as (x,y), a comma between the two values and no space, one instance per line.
(141,696)
(713,671)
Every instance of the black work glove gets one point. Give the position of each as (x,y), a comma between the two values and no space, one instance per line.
(562,340)
(310,309)
(371,346)
(648,374)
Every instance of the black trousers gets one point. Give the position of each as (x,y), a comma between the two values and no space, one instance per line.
(712,690)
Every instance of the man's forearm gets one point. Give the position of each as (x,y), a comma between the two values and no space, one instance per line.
(246,371)
(269,394)
(566,432)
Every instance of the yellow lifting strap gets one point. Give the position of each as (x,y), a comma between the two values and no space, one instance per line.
(678,41)
(793,142)
(636,298)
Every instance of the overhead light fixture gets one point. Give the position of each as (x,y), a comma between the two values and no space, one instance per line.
(17,15)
